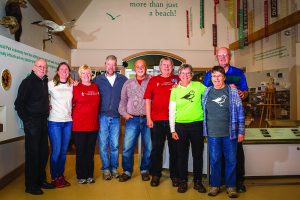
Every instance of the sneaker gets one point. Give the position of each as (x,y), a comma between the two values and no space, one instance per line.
(82,181)
(213,191)
(57,183)
(115,174)
(241,188)
(231,191)
(64,182)
(199,186)
(155,181)
(182,187)
(90,180)
(145,176)
(124,177)
(175,182)
(106,175)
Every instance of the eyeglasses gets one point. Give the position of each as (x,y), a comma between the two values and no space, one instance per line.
(187,74)
(41,66)
(219,76)
(222,55)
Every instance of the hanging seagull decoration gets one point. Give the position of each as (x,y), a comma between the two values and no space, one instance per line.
(112,17)
(53,27)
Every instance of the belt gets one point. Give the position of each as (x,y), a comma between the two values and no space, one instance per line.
(141,116)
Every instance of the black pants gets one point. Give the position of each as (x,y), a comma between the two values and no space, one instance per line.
(159,133)
(190,133)
(85,148)
(240,164)
(36,152)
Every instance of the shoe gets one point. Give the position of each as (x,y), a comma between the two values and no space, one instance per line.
(64,181)
(115,174)
(58,183)
(90,180)
(175,182)
(46,185)
(106,175)
(35,191)
(155,181)
(240,188)
(182,187)
(145,176)
(124,177)
(231,191)
(213,191)
(199,186)
(82,181)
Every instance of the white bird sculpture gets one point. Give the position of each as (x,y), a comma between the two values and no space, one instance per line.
(50,25)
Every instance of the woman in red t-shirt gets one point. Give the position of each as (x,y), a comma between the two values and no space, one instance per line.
(85,101)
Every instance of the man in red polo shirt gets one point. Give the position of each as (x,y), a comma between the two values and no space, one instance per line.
(157,97)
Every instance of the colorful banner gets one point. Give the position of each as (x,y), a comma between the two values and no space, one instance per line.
(215,35)
(191,22)
(201,14)
(245,17)
(274,8)
(241,29)
(266,17)
(238,7)
(231,13)
(187,24)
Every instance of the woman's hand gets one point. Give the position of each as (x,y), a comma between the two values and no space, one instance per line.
(240,137)
(175,136)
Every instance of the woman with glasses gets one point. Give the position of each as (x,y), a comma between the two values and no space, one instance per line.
(224,127)
(186,116)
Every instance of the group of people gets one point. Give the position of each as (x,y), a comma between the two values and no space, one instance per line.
(157,108)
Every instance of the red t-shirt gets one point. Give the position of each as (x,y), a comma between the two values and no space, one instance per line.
(85,107)
(158,91)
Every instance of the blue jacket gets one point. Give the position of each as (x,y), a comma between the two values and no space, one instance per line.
(237,118)
(110,95)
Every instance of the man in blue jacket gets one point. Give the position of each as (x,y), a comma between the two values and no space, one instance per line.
(110,85)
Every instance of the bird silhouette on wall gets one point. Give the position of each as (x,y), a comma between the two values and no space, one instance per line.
(11,23)
(112,17)
(13,8)
(189,96)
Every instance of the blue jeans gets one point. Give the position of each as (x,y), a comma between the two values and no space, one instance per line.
(108,138)
(133,128)
(218,146)
(59,134)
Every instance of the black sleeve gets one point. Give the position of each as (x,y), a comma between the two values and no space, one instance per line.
(20,103)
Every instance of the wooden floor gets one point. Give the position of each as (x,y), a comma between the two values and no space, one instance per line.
(136,189)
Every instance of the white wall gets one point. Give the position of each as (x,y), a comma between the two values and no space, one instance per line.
(12,154)
(135,31)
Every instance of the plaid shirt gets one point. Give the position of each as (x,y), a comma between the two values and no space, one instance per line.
(237,118)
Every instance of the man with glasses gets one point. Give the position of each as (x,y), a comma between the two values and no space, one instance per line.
(235,77)
(32,106)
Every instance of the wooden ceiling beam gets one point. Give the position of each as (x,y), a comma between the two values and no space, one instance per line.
(280,25)
(45,9)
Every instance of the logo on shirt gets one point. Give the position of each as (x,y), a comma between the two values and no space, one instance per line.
(220,100)
(189,96)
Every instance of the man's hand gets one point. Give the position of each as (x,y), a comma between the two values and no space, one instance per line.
(150,123)
(240,137)
(175,136)
(128,116)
